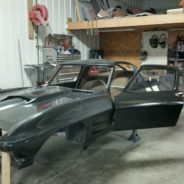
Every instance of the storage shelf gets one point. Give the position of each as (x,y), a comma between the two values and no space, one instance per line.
(145,22)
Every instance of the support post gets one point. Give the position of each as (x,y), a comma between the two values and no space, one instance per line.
(69,20)
(134,137)
(5,166)
(77,6)
(30,25)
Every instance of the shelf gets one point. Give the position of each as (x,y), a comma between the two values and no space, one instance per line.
(138,23)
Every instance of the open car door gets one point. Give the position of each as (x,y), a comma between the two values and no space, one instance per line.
(151,99)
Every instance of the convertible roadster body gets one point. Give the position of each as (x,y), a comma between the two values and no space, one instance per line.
(86,99)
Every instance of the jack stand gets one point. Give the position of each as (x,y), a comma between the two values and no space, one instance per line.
(85,145)
(134,137)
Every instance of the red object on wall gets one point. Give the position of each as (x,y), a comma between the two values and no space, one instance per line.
(182,3)
(39,15)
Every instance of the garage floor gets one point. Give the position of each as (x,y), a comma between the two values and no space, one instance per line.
(111,159)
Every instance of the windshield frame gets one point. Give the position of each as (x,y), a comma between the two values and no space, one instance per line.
(83,66)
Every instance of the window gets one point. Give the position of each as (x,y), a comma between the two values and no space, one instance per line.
(153,80)
(68,73)
(121,77)
(95,77)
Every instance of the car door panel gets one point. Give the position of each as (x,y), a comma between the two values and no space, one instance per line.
(149,106)
(137,111)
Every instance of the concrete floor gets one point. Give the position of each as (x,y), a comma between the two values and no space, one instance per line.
(157,159)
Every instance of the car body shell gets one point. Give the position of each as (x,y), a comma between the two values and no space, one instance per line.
(30,116)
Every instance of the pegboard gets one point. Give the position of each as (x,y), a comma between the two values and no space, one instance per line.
(122,46)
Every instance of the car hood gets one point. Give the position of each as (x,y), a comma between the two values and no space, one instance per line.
(36,94)
(15,108)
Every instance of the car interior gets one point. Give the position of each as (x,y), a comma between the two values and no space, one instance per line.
(119,81)
(94,78)
(153,81)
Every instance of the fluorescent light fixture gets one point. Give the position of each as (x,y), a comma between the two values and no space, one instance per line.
(176,29)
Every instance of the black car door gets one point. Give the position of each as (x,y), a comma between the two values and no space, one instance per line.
(151,99)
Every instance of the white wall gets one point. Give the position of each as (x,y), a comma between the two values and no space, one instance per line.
(156,55)
(14,29)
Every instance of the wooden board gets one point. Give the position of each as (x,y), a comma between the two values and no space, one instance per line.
(144,22)
(5,166)
(123,46)
(77,10)
(30,25)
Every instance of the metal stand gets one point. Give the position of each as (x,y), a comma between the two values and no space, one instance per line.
(134,137)
(85,145)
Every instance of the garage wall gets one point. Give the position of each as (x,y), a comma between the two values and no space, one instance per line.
(161,5)
(14,32)
(122,46)
(58,23)
(131,3)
